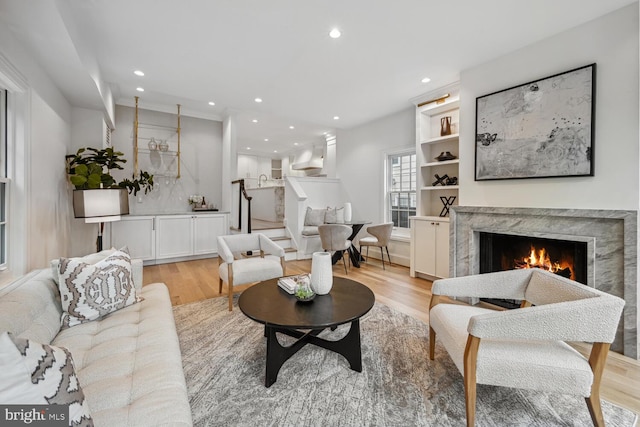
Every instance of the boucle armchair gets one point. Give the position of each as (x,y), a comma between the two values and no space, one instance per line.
(525,348)
(238,269)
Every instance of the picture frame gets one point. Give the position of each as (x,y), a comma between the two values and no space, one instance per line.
(541,129)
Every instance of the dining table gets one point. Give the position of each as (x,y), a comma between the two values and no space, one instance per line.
(354,254)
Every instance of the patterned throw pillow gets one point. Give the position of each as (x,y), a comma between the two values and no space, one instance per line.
(91,291)
(40,374)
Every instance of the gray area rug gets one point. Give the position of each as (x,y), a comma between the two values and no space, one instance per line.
(223,356)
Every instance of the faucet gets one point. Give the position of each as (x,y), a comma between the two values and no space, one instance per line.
(260,179)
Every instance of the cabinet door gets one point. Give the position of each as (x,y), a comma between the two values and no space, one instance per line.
(442,249)
(425,243)
(138,234)
(174,236)
(206,229)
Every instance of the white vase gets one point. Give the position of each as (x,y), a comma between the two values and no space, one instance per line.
(347,212)
(321,273)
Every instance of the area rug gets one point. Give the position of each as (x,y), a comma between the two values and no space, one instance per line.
(223,356)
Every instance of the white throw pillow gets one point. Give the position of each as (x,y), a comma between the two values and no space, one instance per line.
(91,291)
(40,374)
(334,216)
(314,217)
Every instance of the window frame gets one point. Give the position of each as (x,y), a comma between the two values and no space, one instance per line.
(399,233)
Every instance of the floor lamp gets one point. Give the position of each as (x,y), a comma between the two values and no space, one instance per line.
(100,205)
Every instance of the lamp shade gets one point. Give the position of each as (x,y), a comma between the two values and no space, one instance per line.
(100,205)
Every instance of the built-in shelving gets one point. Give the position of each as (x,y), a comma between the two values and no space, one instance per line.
(440,187)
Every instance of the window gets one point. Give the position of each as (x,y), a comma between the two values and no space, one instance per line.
(401,188)
(4,182)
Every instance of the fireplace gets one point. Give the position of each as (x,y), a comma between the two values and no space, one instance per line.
(610,237)
(499,252)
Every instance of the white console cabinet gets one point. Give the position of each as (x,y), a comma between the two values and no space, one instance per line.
(161,238)
(430,246)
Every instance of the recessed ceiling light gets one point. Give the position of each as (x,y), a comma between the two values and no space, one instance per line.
(258,100)
(335,33)
(248,148)
(275,151)
(255,120)
(212,103)
(295,143)
(336,117)
(291,127)
(138,73)
(426,80)
(266,140)
(139,89)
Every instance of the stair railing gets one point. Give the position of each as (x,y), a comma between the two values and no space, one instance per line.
(242,195)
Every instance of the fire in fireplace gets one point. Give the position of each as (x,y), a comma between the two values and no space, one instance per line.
(499,252)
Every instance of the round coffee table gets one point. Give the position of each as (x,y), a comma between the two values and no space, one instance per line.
(280,312)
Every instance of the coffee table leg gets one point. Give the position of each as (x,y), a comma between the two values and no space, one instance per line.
(348,346)
(277,354)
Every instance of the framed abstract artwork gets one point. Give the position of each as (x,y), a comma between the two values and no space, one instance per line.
(540,129)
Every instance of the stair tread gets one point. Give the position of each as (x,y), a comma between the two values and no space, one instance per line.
(280,238)
(290,250)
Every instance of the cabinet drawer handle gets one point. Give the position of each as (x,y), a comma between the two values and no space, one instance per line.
(433,223)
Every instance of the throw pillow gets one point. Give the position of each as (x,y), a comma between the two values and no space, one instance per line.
(334,216)
(40,374)
(314,217)
(89,259)
(91,291)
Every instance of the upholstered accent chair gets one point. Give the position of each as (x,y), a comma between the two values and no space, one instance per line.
(334,237)
(525,347)
(237,268)
(380,235)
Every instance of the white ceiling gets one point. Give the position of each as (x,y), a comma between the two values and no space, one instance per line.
(232,51)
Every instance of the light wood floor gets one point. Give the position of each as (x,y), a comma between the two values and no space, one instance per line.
(197,280)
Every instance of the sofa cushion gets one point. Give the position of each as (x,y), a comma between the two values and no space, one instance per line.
(40,374)
(314,216)
(91,291)
(129,364)
(30,307)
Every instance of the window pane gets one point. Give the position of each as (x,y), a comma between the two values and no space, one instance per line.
(402,187)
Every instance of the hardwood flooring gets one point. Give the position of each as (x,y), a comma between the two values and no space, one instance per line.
(197,280)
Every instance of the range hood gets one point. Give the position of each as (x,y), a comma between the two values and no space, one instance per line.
(308,159)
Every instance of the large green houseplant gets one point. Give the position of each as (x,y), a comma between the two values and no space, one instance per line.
(89,168)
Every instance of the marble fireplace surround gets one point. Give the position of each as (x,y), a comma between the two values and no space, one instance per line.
(611,237)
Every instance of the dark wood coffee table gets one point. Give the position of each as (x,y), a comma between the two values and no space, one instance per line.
(280,312)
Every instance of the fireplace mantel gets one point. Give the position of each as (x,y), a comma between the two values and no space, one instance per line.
(611,237)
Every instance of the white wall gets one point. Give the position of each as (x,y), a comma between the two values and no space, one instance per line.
(612,43)
(360,163)
(201,162)
(41,212)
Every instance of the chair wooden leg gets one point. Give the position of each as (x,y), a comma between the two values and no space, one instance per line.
(344,261)
(470,358)
(220,287)
(388,257)
(382,258)
(597,360)
(230,285)
(432,343)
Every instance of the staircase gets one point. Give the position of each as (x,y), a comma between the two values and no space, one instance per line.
(278,233)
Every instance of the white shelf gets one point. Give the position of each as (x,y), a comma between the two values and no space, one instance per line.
(439,139)
(445,162)
(440,187)
(164,153)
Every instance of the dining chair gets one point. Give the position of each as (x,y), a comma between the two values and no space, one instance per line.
(335,237)
(380,235)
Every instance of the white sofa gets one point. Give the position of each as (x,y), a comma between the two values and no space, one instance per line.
(128,363)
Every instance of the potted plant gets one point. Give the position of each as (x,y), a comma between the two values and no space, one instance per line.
(90,168)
